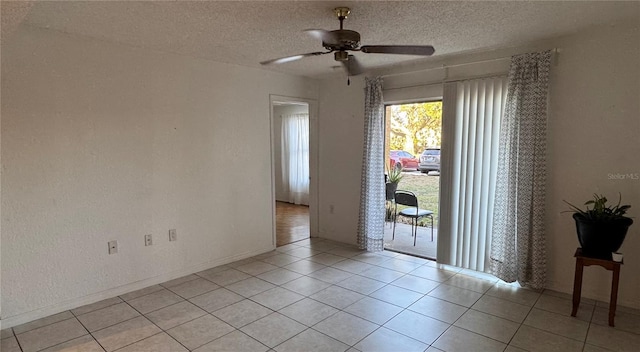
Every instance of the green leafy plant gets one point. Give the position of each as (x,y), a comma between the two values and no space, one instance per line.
(600,211)
(394,175)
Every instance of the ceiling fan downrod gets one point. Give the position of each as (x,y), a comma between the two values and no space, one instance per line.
(342,13)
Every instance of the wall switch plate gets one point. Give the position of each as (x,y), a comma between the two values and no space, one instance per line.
(173,235)
(113,247)
(148,240)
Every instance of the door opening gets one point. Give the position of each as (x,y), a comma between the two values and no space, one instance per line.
(291,164)
(413,135)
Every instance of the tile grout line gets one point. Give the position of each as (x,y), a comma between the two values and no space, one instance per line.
(452,324)
(148,337)
(76,317)
(91,334)
(161,329)
(403,310)
(17,341)
(71,339)
(247,298)
(593,312)
(320,252)
(309,297)
(182,283)
(523,320)
(382,325)
(45,325)
(408,273)
(553,333)
(278,311)
(123,321)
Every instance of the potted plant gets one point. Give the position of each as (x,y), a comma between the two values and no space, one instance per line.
(601,228)
(394,175)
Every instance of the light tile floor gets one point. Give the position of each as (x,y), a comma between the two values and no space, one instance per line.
(317,295)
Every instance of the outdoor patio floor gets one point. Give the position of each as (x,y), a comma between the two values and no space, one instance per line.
(403,241)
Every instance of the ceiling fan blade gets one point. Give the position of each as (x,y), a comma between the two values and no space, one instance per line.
(352,66)
(326,36)
(282,60)
(316,33)
(424,50)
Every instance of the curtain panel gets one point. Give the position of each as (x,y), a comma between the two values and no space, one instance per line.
(295,158)
(472,111)
(372,188)
(518,246)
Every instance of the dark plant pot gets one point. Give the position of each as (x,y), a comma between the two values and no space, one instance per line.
(599,239)
(391,190)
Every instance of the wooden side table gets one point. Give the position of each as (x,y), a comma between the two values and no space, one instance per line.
(581,262)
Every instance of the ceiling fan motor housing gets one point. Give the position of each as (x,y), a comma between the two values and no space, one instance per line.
(342,39)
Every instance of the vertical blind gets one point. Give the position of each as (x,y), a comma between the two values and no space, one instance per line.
(472,111)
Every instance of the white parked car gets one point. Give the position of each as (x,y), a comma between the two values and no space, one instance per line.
(430,160)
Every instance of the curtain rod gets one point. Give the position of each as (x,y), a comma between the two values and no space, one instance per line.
(555,50)
(492,75)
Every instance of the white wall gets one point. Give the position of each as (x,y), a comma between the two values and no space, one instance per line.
(278,112)
(594,129)
(341,138)
(106,142)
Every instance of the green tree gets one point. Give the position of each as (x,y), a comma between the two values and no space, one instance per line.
(416,126)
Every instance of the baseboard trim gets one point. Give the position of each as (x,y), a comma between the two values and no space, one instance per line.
(19,319)
(589,293)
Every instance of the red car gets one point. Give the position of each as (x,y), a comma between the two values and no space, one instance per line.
(403,160)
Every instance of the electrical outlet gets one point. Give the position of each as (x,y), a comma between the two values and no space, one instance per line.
(173,235)
(113,247)
(331,209)
(148,240)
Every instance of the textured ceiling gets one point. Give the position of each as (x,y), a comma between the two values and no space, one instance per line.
(13,13)
(247,32)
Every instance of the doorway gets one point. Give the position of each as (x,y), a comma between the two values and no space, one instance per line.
(413,136)
(293,161)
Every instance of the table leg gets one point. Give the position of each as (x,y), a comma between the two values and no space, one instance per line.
(577,286)
(613,301)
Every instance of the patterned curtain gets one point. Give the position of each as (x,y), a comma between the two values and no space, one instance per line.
(518,242)
(372,193)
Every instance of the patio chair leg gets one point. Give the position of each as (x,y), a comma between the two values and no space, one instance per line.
(393,234)
(414,231)
(431,228)
(412,221)
(415,236)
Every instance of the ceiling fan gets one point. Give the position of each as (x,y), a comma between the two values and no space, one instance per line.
(341,41)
